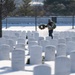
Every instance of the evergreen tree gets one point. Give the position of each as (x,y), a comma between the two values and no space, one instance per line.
(25,8)
(8,7)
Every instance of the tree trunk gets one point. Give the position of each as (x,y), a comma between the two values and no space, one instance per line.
(0,18)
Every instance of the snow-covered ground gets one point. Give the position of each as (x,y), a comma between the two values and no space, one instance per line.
(5,65)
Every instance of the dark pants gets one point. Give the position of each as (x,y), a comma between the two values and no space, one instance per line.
(50,33)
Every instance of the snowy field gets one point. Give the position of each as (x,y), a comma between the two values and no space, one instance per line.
(5,65)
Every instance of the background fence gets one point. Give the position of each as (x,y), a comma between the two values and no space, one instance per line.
(31,21)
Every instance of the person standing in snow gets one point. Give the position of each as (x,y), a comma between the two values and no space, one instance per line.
(51,25)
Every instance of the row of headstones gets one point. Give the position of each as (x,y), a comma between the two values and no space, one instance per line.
(22,41)
(64,34)
(41,39)
(18,59)
(29,34)
(24,34)
(63,65)
(70,43)
(61,40)
(65,38)
(5,50)
(35,35)
(10,42)
(50,51)
(61,47)
(17,65)
(58,71)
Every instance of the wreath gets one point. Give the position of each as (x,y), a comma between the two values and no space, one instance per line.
(42,26)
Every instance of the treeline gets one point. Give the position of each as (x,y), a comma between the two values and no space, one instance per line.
(50,7)
(59,7)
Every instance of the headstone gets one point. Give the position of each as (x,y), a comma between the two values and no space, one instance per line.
(42,69)
(36,35)
(44,43)
(2,40)
(20,40)
(31,39)
(54,42)
(23,34)
(11,43)
(61,49)
(50,53)
(68,39)
(48,38)
(73,38)
(70,46)
(62,40)
(62,35)
(62,66)
(72,56)
(20,45)
(18,59)
(39,39)
(29,34)
(31,43)
(35,54)
(4,52)
(56,35)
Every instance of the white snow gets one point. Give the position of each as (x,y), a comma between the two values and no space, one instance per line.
(5,65)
